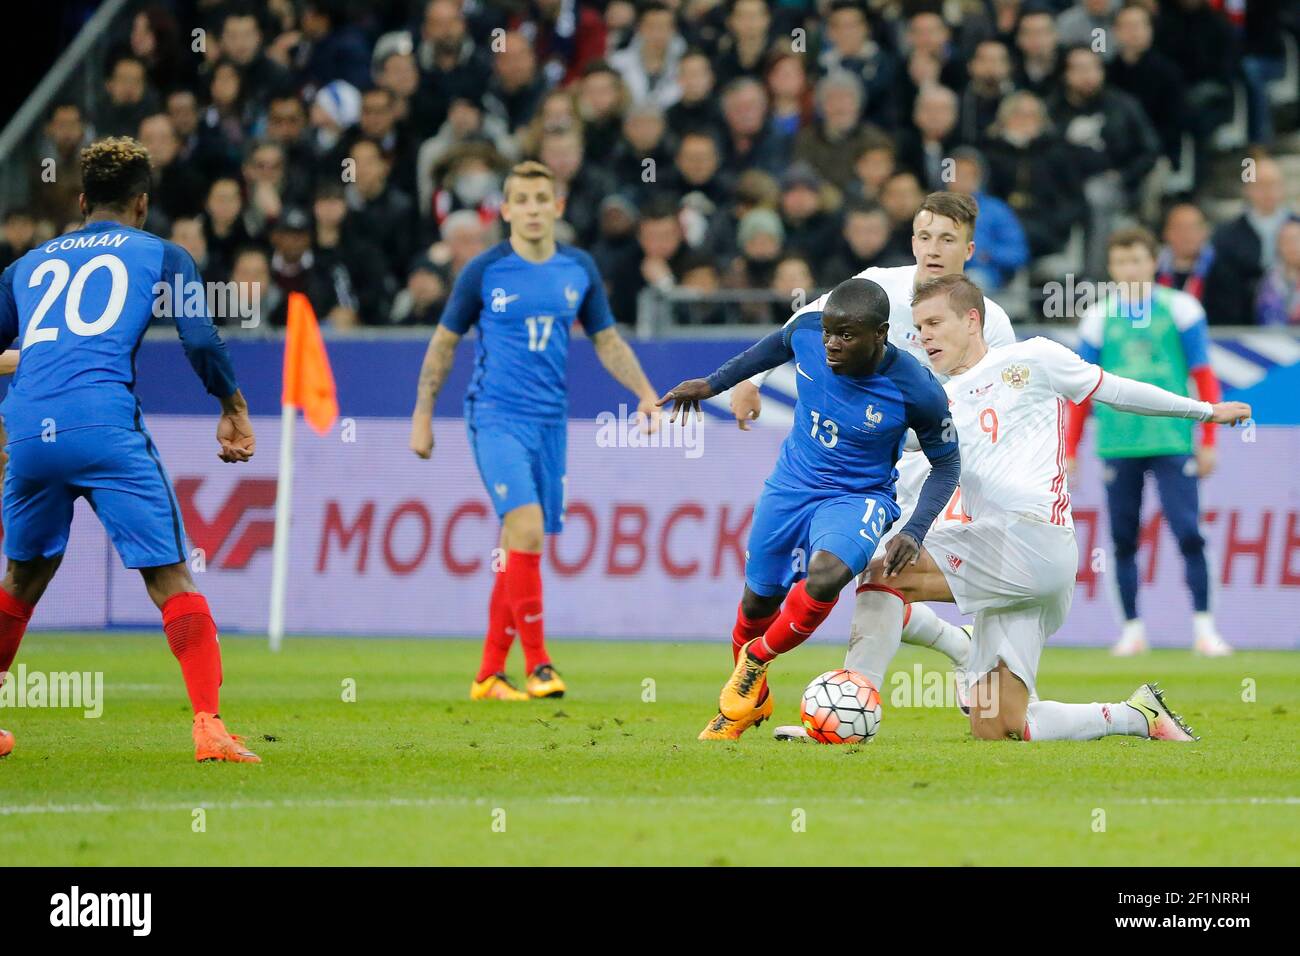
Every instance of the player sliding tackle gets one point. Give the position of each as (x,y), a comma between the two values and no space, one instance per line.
(1013,565)
(830,497)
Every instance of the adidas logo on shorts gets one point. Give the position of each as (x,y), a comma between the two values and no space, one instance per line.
(954,562)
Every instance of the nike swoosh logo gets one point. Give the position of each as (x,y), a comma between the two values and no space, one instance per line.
(532,618)
(799,632)
(507,299)
(799,368)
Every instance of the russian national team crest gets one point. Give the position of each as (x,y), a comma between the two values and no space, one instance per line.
(1017,376)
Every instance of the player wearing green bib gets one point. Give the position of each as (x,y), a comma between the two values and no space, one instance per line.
(1158,336)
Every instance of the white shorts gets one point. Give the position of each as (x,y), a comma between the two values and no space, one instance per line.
(913,469)
(1016,575)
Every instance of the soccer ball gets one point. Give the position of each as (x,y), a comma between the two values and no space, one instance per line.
(840,707)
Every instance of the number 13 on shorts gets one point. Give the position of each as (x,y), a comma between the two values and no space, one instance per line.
(875,522)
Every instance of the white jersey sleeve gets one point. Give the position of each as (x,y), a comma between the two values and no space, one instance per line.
(1141,398)
(997,325)
(1069,375)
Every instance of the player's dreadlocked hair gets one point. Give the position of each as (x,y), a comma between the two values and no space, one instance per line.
(114,171)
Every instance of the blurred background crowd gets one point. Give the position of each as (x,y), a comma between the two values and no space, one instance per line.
(356,151)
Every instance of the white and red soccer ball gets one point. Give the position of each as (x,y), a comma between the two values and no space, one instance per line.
(840,707)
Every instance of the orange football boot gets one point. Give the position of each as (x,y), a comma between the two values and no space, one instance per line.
(213,742)
(6,743)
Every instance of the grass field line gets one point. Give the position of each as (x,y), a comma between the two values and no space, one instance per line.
(353,803)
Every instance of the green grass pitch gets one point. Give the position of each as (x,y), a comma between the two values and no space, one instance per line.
(412,772)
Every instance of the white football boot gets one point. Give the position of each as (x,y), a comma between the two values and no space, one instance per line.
(1132,641)
(1162,723)
(1208,643)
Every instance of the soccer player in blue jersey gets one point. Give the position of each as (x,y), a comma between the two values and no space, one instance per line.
(830,498)
(78,307)
(524,295)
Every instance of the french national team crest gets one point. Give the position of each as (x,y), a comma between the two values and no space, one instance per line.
(873,417)
(571,295)
(1017,376)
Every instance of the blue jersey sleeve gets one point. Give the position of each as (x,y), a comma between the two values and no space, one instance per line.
(768,352)
(595,314)
(928,416)
(203,346)
(466,300)
(1196,344)
(8,309)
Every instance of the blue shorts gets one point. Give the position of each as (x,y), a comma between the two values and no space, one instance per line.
(521,463)
(117,470)
(790,526)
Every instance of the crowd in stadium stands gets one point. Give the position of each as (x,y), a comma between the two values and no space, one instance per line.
(356,152)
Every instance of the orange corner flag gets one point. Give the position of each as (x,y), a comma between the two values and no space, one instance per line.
(308,380)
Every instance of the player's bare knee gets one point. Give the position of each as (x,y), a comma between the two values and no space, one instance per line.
(758,606)
(166,581)
(827,576)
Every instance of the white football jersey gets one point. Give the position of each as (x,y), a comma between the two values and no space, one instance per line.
(1009,411)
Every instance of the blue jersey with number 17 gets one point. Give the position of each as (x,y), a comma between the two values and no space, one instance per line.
(524,311)
(78,307)
(849,431)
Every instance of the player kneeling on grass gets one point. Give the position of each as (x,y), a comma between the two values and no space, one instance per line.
(1013,565)
(831,496)
(82,303)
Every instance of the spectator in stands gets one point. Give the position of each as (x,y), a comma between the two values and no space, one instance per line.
(188,234)
(155,40)
(451,65)
(760,237)
(1263,60)
(332,48)
(470,177)
(223,227)
(656,260)
(1244,248)
(697,108)
(697,168)
(793,279)
(517,86)
(201,146)
(466,123)
(1032,169)
(1000,246)
(990,81)
(566,35)
(1088,22)
(395,70)
(874,163)
(931,60)
(178,188)
(1114,146)
(384,214)
(228,117)
(786,78)
(809,226)
(464,236)
(580,185)
(641,158)
(700,274)
(1279,292)
(618,234)
(378,123)
(129,98)
(344,252)
(1185,260)
(863,244)
(742,50)
(266,182)
(1038,53)
(17,235)
(924,148)
(295,267)
(648,64)
(54,187)
(251,269)
(335,109)
(851,47)
(286,124)
(240,43)
(602,100)
(422,300)
(901,197)
(832,143)
(1199,40)
(557,111)
(1148,76)
(753,142)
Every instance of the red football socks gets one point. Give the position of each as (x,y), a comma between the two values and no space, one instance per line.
(14,615)
(799,617)
(746,630)
(500,633)
(192,636)
(523,594)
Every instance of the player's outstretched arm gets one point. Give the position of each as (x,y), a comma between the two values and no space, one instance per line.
(767,353)
(1141,398)
(433,374)
(235,429)
(621,363)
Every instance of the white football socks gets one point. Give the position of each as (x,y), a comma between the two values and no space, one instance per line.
(924,628)
(1202,626)
(1051,720)
(875,635)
